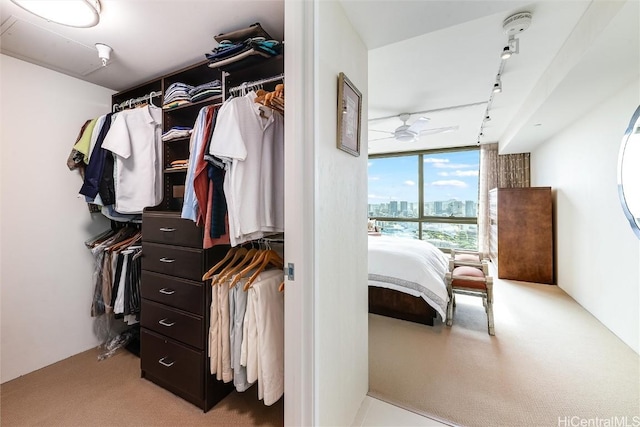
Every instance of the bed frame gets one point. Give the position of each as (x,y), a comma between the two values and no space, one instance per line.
(392,303)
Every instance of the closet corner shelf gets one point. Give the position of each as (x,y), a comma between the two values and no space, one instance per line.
(175,170)
(170,141)
(206,101)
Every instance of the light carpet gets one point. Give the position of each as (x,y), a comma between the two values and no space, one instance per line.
(551,363)
(81,391)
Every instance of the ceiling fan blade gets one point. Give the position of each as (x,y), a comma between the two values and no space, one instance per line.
(439,130)
(381,139)
(419,125)
(382,131)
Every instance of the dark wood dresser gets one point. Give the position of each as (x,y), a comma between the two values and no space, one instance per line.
(175,309)
(521,238)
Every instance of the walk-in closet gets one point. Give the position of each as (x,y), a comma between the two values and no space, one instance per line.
(189,168)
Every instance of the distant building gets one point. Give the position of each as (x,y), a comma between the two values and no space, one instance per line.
(404,209)
(393,208)
(437,208)
(470,208)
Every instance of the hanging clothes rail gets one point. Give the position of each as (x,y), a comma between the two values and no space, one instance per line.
(134,101)
(241,89)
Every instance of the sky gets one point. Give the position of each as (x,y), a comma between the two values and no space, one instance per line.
(452,175)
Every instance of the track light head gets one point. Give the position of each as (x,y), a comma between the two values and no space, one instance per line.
(506,53)
(497,86)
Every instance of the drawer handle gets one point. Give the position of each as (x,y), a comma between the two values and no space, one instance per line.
(163,363)
(167,260)
(167,229)
(167,291)
(165,322)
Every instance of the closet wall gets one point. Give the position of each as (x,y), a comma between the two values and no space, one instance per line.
(45,268)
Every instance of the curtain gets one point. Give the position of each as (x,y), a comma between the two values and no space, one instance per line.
(513,170)
(488,180)
(502,171)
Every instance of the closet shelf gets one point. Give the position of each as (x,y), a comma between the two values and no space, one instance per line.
(171,141)
(175,170)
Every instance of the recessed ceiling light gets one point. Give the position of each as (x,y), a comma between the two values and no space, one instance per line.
(73,13)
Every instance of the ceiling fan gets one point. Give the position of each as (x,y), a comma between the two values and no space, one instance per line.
(411,133)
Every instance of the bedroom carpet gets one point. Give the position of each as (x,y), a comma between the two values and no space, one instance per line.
(80,391)
(551,363)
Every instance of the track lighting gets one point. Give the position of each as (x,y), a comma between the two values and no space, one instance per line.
(512,26)
(513,46)
(497,86)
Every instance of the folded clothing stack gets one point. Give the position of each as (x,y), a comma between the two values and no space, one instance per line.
(179,164)
(176,94)
(230,53)
(243,47)
(205,90)
(177,132)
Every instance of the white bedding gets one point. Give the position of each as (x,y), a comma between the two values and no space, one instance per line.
(411,266)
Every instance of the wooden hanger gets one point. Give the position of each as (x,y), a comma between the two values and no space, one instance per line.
(220,263)
(272,258)
(236,256)
(126,242)
(249,256)
(255,262)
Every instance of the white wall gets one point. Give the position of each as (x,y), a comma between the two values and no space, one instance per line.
(341,319)
(597,252)
(45,275)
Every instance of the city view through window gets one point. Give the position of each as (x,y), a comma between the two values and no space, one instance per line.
(438,203)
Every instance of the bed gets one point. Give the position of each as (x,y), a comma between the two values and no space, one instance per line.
(406,279)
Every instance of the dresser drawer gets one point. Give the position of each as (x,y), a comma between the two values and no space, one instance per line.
(172,363)
(175,324)
(173,260)
(170,229)
(172,291)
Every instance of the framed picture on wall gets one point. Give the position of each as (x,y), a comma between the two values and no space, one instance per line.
(349,113)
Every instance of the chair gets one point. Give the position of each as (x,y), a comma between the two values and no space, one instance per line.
(469,275)
(464,255)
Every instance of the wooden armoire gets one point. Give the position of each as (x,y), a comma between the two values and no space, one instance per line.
(521,236)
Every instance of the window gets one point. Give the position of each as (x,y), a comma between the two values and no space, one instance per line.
(431,195)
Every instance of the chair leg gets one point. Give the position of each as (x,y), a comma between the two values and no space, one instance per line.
(490,319)
(490,306)
(452,301)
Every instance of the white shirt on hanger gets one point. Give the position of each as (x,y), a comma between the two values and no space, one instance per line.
(135,139)
(268,307)
(252,147)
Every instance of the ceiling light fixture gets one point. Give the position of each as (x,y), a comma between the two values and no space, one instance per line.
(72,13)
(513,25)
(512,47)
(497,86)
(104,53)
